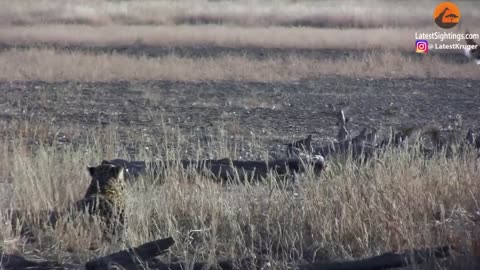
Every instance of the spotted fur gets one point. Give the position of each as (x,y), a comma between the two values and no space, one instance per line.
(105,197)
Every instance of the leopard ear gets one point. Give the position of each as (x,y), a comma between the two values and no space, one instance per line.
(91,170)
(118,172)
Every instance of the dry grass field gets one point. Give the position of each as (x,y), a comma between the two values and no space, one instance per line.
(92,80)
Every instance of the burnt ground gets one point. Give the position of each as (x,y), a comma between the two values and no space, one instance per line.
(275,112)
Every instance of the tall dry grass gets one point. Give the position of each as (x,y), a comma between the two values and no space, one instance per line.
(58,65)
(350,211)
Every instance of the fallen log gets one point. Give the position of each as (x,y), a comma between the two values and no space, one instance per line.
(136,168)
(278,166)
(19,262)
(224,169)
(384,261)
(133,257)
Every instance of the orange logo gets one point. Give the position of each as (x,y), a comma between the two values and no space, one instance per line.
(446,15)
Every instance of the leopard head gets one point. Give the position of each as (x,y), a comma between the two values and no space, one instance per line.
(105,176)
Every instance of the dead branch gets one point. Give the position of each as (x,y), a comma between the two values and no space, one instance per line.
(19,262)
(131,257)
(384,261)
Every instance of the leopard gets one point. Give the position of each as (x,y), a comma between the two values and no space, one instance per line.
(106,198)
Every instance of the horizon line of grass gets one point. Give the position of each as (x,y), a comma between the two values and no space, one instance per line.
(57,65)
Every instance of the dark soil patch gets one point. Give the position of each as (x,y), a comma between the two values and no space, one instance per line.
(275,112)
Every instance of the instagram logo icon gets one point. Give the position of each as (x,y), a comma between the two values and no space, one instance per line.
(421,46)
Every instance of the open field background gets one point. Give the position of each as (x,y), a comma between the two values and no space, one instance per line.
(83,81)
(256,40)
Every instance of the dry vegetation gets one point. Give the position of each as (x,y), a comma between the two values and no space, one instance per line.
(351,211)
(58,65)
